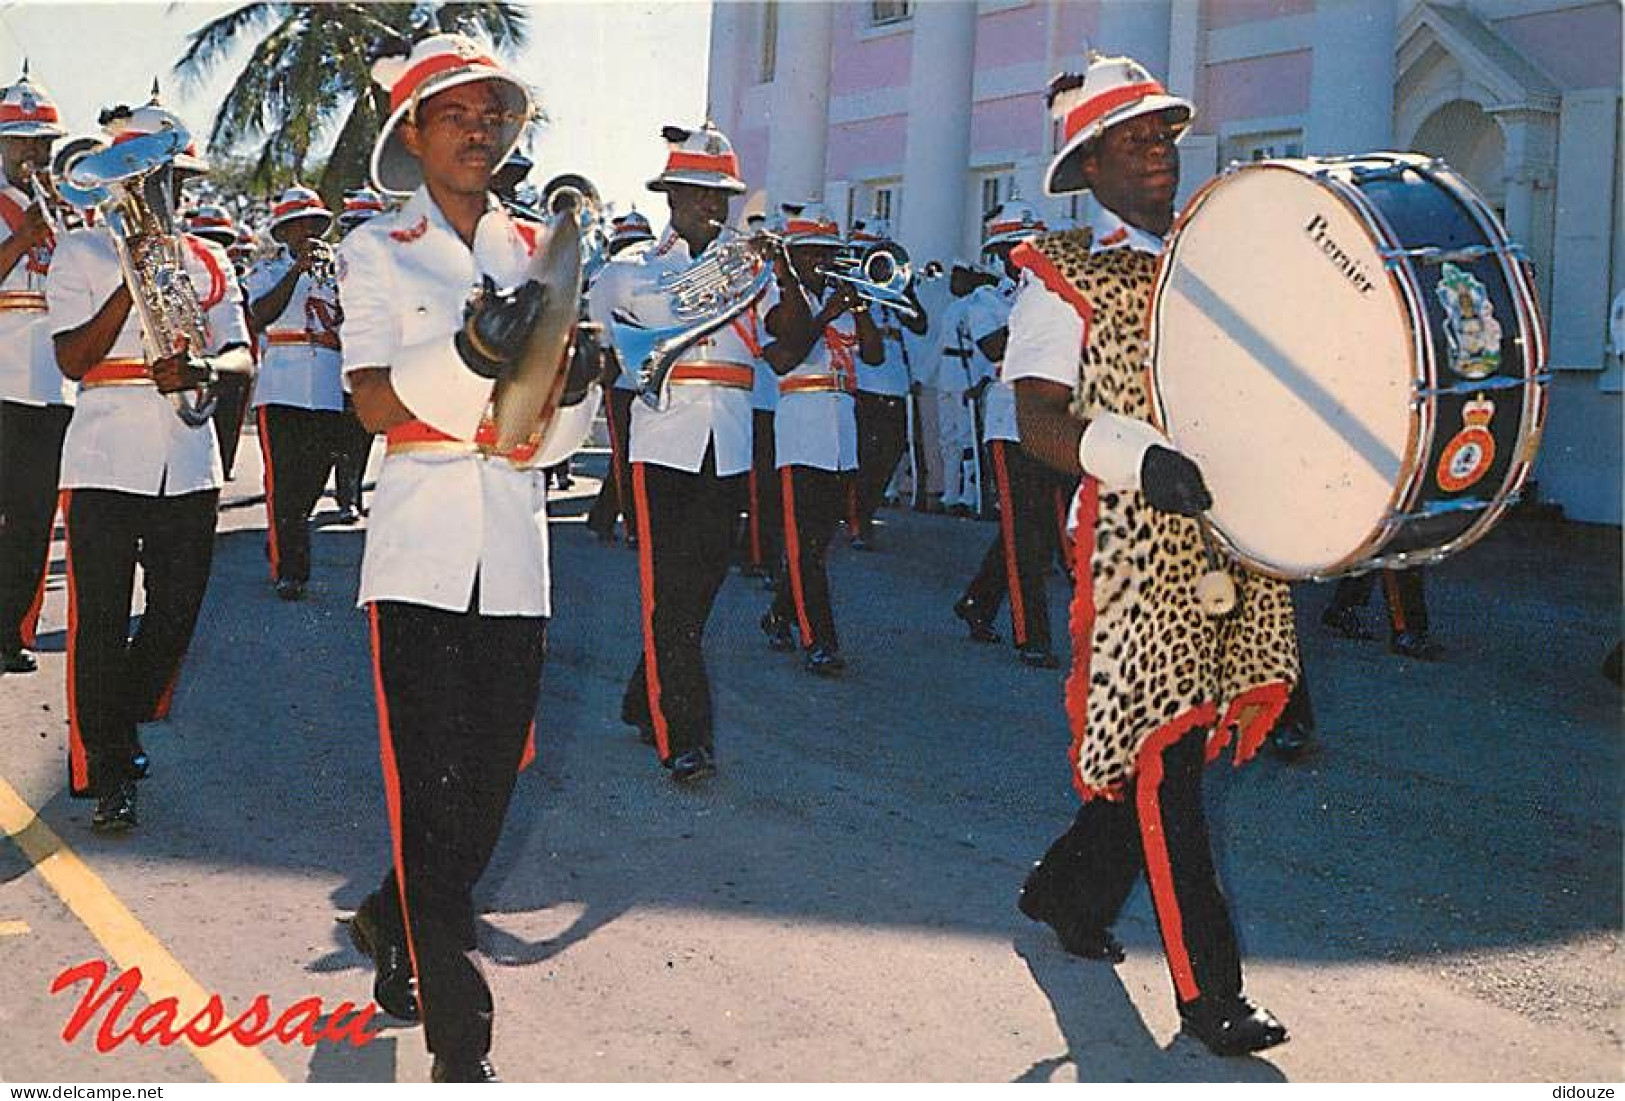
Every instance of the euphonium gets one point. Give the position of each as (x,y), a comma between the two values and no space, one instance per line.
(703,298)
(134,195)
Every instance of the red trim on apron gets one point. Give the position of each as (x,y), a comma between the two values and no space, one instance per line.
(792,552)
(270,495)
(1007,536)
(646,581)
(78,762)
(1273,696)
(392,792)
(1082,627)
(1028,258)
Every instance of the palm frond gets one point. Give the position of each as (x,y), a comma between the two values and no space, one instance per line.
(210,43)
(506,25)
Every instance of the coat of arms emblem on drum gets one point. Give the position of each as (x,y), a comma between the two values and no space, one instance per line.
(1468,455)
(1469,324)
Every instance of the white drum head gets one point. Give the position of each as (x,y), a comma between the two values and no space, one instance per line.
(1282,364)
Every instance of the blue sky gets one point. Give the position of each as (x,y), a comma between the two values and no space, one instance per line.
(610,73)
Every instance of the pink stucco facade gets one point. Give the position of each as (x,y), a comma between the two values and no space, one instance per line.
(1549,39)
(1011,37)
(864,62)
(1218,14)
(1277,84)
(1017,124)
(873,147)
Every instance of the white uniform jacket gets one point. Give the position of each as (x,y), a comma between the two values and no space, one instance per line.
(444,516)
(28,373)
(988,312)
(1046,332)
(125,434)
(710,391)
(815,424)
(891,377)
(299,351)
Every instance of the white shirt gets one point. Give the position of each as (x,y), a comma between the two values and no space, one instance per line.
(697,416)
(925,349)
(1046,332)
(989,311)
(819,428)
(128,438)
(440,519)
(299,354)
(891,377)
(28,373)
(961,363)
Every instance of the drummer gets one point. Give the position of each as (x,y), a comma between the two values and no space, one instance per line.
(1157,687)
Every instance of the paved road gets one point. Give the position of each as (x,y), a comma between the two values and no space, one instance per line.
(1436,895)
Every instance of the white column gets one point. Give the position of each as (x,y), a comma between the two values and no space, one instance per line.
(1351,84)
(722,77)
(936,153)
(1138,29)
(800,120)
(1531,160)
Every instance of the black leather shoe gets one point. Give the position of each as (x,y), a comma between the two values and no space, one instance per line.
(20,660)
(115,811)
(777,630)
(393,986)
(1037,902)
(1038,657)
(1415,644)
(981,626)
(1231,1026)
(693,764)
(1345,622)
(824,662)
(289,589)
(462,1070)
(349,514)
(1291,741)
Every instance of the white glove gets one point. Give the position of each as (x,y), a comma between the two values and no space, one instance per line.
(1113,449)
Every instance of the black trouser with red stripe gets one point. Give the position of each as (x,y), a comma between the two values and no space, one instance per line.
(1159,827)
(1407,601)
(456,698)
(1019,556)
(764,531)
(30,464)
(814,504)
(116,681)
(353,447)
(232,391)
(685,526)
(299,445)
(615,495)
(882,440)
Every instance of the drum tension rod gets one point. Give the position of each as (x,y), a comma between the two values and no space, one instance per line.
(1433,255)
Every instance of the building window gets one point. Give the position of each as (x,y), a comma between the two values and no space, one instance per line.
(886,12)
(1245,148)
(770,41)
(882,204)
(996,188)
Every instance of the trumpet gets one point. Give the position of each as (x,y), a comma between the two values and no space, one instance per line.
(322,267)
(880,274)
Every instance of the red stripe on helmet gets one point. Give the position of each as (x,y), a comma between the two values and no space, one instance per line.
(1092,110)
(413,78)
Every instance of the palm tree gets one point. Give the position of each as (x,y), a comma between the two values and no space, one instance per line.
(312,68)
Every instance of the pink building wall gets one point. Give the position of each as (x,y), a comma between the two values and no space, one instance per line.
(1078,23)
(1011,37)
(1017,124)
(1579,47)
(1252,88)
(863,65)
(1217,14)
(864,150)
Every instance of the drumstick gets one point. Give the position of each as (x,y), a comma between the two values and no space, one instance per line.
(1214,590)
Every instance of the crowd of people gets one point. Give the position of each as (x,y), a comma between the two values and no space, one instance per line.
(1010,387)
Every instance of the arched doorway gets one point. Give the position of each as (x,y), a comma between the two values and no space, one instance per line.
(1464,135)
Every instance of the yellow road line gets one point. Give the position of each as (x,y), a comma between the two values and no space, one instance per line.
(13,928)
(125,939)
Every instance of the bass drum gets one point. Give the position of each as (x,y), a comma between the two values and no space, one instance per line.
(1352,352)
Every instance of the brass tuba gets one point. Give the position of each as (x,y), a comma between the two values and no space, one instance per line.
(133,193)
(721,285)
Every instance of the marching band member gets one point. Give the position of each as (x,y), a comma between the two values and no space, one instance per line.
(628,231)
(293,304)
(35,401)
(455,571)
(140,485)
(882,394)
(1157,686)
(688,460)
(960,367)
(814,427)
(354,441)
(214,223)
(764,504)
(925,360)
(1017,560)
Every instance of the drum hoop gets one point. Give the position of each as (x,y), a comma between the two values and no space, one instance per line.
(1422,365)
